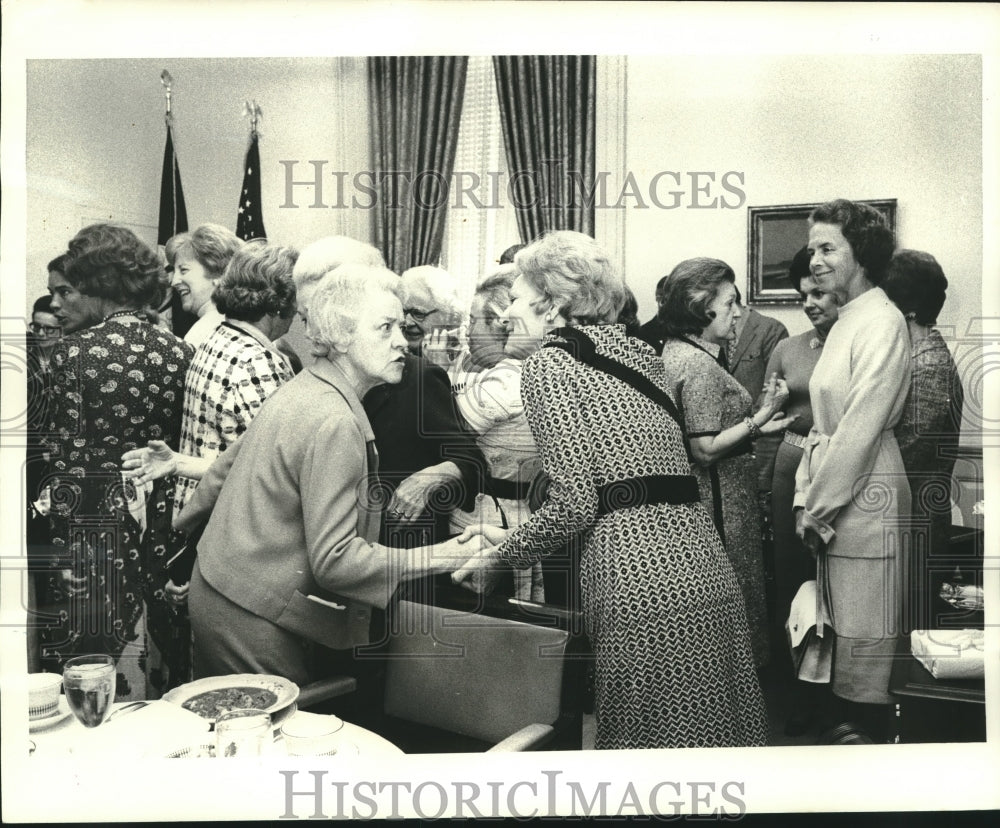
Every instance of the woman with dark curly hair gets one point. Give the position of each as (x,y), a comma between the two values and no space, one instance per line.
(232,373)
(117,383)
(851,488)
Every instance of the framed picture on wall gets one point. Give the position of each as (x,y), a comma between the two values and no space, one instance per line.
(775,234)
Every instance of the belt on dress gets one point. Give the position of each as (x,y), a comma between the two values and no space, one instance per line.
(507,489)
(793,439)
(648,490)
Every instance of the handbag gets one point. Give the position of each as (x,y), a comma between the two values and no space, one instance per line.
(810,636)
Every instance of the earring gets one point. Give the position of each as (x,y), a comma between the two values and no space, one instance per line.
(548,317)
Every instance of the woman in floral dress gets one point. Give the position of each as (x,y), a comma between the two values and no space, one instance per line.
(118,382)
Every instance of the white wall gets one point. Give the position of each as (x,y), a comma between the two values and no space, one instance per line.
(807,129)
(95,137)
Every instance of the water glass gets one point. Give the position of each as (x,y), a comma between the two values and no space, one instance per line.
(307,734)
(242,732)
(89,684)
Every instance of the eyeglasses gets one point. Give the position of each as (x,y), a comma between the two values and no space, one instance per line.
(48,330)
(418,315)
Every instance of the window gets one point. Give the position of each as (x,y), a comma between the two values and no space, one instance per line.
(475,235)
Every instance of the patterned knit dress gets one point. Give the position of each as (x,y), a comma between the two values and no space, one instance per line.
(663,608)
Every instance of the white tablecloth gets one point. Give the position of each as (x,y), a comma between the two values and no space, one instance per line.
(157,730)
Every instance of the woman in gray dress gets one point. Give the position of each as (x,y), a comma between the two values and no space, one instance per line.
(699,312)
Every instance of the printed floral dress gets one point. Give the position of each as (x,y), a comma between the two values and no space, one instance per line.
(114,387)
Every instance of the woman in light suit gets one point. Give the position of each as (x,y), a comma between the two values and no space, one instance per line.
(288,564)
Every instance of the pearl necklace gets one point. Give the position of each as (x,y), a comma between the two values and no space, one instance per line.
(120,313)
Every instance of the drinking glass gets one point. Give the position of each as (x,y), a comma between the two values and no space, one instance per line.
(307,734)
(89,684)
(242,732)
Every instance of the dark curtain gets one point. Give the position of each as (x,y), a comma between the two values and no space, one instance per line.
(547,111)
(416,103)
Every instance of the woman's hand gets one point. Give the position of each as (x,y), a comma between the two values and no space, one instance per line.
(481,572)
(154,462)
(176,595)
(778,423)
(410,498)
(493,535)
(775,395)
(436,348)
(809,537)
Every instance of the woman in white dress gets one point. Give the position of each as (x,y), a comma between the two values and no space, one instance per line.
(851,488)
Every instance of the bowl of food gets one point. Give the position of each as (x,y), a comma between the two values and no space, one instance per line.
(43,695)
(211,697)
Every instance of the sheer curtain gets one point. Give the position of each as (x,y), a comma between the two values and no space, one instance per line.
(547,111)
(416,103)
(475,235)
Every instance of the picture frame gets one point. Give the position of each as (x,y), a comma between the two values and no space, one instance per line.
(775,234)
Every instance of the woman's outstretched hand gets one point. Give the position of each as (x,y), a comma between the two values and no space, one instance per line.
(154,462)
(483,570)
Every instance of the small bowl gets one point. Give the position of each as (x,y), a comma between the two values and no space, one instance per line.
(43,695)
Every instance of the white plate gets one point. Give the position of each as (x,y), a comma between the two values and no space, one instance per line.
(50,721)
(286,691)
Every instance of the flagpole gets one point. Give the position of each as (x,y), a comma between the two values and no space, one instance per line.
(168,82)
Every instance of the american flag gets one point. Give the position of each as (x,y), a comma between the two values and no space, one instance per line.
(249,221)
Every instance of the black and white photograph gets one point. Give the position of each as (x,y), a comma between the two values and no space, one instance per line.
(440,409)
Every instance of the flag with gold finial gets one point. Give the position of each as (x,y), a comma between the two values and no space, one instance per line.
(249,221)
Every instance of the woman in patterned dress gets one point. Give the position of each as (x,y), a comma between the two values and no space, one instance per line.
(699,313)
(929,430)
(851,489)
(231,375)
(117,383)
(673,666)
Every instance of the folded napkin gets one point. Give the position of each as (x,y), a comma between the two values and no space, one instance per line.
(949,654)
(155,730)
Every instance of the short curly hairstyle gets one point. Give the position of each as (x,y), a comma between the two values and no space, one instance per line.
(108,261)
(575,276)
(338,299)
(212,245)
(318,258)
(691,287)
(444,288)
(916,283)
(257,283)
(865,229)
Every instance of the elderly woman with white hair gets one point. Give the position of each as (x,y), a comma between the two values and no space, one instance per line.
(673,665)
(434,310)
(288,565)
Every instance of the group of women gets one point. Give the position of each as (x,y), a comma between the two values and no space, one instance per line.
(647,462)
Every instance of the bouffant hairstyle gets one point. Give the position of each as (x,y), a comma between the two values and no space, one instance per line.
(799,268)
(494,289)
(257,283)
(444,288)
(110,262)
(575,277)
(916,283)
(174,243)
(213,246)
(323,255)
(691,287)
(338,299)
(865,229)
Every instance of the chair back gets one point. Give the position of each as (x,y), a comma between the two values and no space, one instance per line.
(474,674)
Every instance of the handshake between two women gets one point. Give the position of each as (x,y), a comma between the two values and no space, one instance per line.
(484,568)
